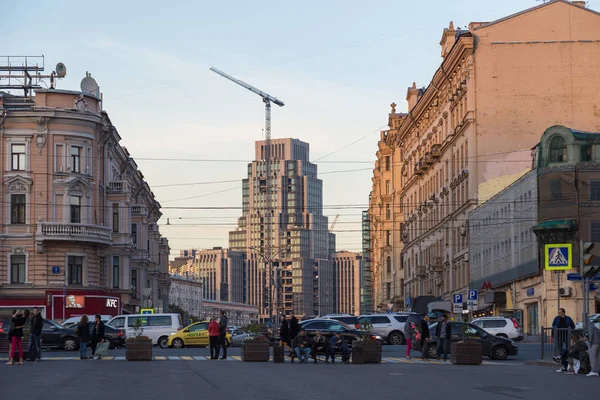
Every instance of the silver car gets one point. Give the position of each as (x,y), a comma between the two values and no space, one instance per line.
(389,326)
(237,337)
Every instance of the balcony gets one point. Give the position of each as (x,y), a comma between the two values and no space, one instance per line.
(118,187)
(436,151)
(421,271)
(428,158)
(141,255)
(57,231)
(419,168)
(139,210)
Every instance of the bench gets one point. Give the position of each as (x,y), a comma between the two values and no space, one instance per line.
(325,352)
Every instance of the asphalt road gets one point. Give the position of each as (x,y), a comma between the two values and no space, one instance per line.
(174,380)
(527,352)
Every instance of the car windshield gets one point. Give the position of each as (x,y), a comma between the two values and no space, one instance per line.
(53,323)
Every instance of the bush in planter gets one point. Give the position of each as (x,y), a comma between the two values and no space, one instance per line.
(255,347)
(467,351)
(139,347)
(366,349)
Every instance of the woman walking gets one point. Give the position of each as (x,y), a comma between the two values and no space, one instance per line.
(16,334)
(409,331)
(284,332)
(83,331)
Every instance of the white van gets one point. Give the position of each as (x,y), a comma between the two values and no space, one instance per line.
(156,326)
(68,323)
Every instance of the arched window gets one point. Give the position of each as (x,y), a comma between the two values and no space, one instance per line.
(388,263)
(558,150)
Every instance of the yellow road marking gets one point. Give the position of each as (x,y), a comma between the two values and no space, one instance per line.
(187,358)
(161,358)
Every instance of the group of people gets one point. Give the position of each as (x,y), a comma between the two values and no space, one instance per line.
(300,345)
(24,320)
(583,355)
(93,337)
(217,331)
(419,331)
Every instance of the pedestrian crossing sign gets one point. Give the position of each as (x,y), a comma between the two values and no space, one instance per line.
(558,257)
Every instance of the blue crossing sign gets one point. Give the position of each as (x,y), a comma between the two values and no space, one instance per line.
(457,299)
(558,257)
(473,295)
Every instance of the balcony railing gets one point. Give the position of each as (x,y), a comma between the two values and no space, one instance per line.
(436,150)
(138,209)
(428,158)
(421,271)
(118,187)
(140,255)
(73,232)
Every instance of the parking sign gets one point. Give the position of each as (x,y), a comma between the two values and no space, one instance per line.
(473,295)
(458,299)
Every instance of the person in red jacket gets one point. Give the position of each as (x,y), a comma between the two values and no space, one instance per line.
(213,336)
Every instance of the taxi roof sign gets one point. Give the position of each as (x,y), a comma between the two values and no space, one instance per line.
(147,311)
(558,257)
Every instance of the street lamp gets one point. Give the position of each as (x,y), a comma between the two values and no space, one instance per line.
(269,261)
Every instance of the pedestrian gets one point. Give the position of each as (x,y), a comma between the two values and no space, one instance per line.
(17,324)
(27,332)
(339,345)
(97,334)
(320,344)
(213,338)
(222,334)
(594,351)
(10,331)
(302,346)
(284,332)
(294,327)
(409,331)
(83,331)
(443,333)
(35,336)
(425,337)
(561,327)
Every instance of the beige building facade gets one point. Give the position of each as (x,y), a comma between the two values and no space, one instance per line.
(347,268)
(79,220)
(467,135)
(221,271)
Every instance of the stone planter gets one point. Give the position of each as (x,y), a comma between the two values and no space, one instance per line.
(372,351)
(358,354)
(466,353)
(255,350)
(138,349)
(279,354)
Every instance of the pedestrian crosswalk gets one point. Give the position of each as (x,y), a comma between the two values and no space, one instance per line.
(384,360)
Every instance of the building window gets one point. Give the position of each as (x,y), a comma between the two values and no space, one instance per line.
(17,208)
(75,159)
(75,269)
(115,272)
(134,281)
(555,189)
(115,217)
(388,238)
(388,187)
(388,211)
(17,269)
(75,209)
(134,234)
(388,265)
(595,190)
(558,150)
(586,152)
(387,163)
(18,157)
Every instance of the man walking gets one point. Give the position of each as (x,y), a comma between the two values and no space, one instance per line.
(424,337)
(594,351)
(561,326)
(35,335)
(222,333)
(443,333)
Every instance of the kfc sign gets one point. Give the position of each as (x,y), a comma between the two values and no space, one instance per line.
(112,303)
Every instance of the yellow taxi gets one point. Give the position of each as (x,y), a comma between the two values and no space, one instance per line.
(195,334)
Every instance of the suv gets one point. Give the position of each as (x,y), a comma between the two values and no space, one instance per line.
(389,326)
(347,319)
(500,326)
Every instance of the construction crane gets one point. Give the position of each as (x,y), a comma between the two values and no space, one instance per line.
(267,99)
(333,223)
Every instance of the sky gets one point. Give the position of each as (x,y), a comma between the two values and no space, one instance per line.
(337,65)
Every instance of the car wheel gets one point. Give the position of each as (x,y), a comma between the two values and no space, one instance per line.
(432,351)
(395,338)
(111,344)
(502,335)
(178,344)
(500,353)
(70,344)
(163,342)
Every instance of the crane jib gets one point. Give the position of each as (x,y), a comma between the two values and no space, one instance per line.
(249,87)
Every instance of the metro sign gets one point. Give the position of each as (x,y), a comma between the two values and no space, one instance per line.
(486,286)
(112,303)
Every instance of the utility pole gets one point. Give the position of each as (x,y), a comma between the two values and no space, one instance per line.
(587,271)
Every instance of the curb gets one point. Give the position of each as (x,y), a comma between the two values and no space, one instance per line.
(542,363)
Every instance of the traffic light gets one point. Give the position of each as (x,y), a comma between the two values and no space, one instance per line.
(588,270)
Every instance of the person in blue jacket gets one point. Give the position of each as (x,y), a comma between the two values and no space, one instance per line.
(561,326)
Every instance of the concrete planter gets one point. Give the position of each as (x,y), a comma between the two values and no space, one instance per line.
(466,353)
(138,349)
(366,352)
(255,350)
(278,354)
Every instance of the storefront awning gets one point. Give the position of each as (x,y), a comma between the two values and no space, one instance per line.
(556,225)
(437,306)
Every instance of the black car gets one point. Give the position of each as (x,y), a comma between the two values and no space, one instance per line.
(116,337)
(330,327)
(495,347)
(53,335)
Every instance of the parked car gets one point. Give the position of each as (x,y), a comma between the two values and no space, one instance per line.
(116,337)
(237,336)
(195,334)
(594,319)
(157,327)
(500,326)
(388,326)
(54,336)
(348,319)
(495,347)
(329,327)
(75,320)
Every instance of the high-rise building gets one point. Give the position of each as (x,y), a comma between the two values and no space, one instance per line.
(221,271)
(300,253)
(366,283)
(347,267)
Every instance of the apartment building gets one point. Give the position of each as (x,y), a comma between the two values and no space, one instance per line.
(347,268)
(79,228)
(468,133)
(222,272)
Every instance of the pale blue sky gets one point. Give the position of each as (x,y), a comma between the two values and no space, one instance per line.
(337,65)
